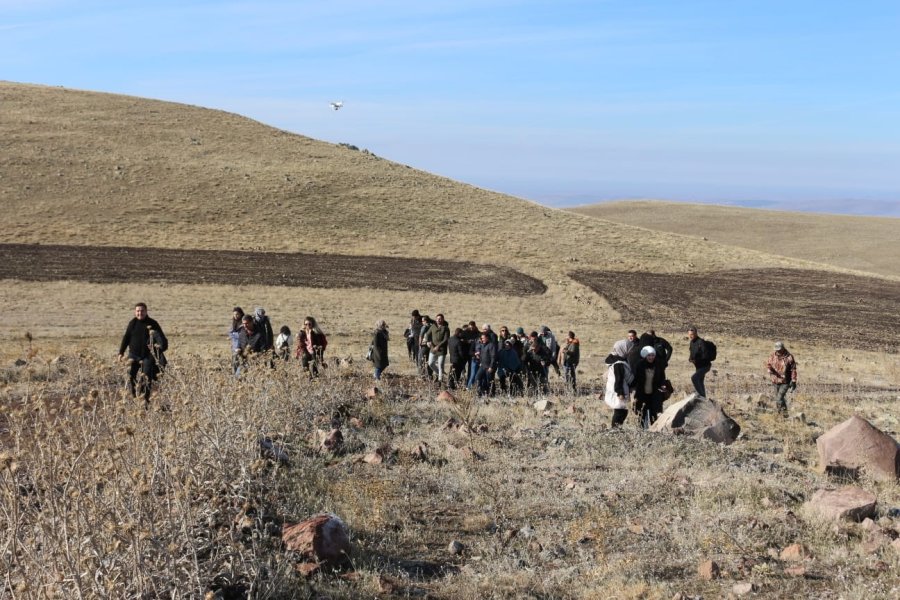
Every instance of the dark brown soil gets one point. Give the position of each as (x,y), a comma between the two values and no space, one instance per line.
(789,304)
(102,264)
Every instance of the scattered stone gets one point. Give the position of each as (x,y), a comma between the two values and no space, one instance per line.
(571,484)
(356,423)
(21,362)
(333,441)
(742,589)
(708,570)
(573,410)
(272,451)
(699,417)
(535,546)
(794,553)
(857,444)
(526,532)
(795,571)
(868,524)
(636,528)
(455,548)
(542,405)
(379,455)
(372,393)
(322,539)
(420,452)
(446,396)
(848,502)
(307,569)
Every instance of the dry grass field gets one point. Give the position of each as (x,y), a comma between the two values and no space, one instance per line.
(869,244)
(101,498)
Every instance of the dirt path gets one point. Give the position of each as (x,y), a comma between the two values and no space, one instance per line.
(103,264)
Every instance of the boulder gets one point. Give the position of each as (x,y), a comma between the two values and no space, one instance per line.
(856,444)
(699,417)
(848,502)
(372,393)
(542,405)
(322,539)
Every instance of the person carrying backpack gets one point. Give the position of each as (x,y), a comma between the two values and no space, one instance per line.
(702,355)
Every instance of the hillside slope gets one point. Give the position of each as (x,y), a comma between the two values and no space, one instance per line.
(90,168)
(863,243)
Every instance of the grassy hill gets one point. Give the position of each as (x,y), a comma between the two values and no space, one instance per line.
(869,244)
(459,498)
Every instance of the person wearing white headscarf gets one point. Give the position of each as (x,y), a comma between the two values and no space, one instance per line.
(649,378)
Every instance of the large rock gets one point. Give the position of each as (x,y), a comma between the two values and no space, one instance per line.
(322,539)
(856,444)
(848,502)
(699,417)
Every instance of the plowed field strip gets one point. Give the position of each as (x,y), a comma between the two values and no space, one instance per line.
(104,264)
(793,304)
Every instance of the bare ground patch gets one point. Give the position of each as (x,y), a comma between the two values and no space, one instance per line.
(107,264)
(794,304)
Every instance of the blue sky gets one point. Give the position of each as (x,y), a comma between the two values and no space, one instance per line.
(777,104)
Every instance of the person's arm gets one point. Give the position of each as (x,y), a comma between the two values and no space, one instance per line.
(126,338)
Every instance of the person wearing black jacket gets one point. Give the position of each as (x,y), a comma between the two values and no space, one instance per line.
(458,351)
(662,346)
(649,377)
(146,343)
(700,361)
(251,342)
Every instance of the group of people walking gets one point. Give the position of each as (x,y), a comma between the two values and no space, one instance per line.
(252,338)
(478,359)
(482,359)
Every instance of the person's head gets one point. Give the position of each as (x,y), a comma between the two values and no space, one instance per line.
(415,314)
(571,335)
(473,326)
(260,312)
(309,323)
(520,331)
(632,335)
(533,335)
(486,327)
(485,338)
(545,330)
(247,322)
(504,331)
(285,330)
(458,332)
(426,319)
(508,344)
(237,313)
(779,347)
(648,353)
(140,311)
(439,318)
(380,324)
(692,333)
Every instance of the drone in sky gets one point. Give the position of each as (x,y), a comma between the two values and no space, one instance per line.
(337,105)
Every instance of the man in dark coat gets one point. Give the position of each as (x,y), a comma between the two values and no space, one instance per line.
(486,351)
(379,347)
(458,350)
(146,344)
(649,377)
(251,342)
(700,360)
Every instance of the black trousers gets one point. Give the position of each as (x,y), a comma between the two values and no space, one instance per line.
(146,367)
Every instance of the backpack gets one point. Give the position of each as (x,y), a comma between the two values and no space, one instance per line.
(709,350)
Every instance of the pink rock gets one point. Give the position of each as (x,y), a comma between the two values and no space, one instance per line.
(320,539)
(446,396)
(857,444)
(372,393)
(708,570)
(794,553)
(848,502)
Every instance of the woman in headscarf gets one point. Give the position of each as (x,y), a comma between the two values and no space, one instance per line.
(379,348)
